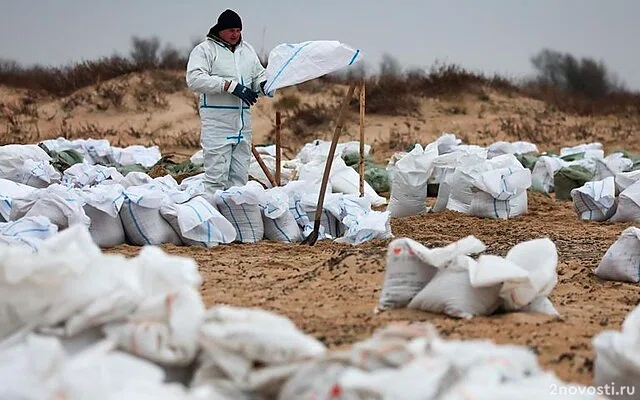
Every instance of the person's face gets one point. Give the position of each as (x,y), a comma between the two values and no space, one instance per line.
(231,35)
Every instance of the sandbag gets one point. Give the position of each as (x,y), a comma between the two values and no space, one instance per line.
(241,207)
(278,217)
(409,178)
(495,188)
(361,222)
(628,208)
(8,191)
(542,175)
(199,223)
(103,205)
(411,265)
(62,205)
(234,340)
(595,200)
(621,261)
(81,175)
(27,231)
(570,177)
(140,214)
(625,179)
(27,164)
(450,292)
(617,362)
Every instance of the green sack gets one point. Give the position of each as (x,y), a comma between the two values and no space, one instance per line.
(573,157)
(569,178)
(378,179)
(528,160)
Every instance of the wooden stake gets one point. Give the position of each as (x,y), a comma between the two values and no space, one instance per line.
(278,150)
(362,104)
(264,167)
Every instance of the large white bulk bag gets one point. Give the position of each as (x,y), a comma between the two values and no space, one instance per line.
(199,223)
(621,262)
(240,205)
(409,178)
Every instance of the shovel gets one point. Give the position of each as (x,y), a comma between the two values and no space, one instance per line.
(313,236)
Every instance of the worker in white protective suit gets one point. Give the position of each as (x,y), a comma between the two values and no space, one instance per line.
(227,73)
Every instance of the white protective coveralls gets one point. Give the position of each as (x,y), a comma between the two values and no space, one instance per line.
(225,134)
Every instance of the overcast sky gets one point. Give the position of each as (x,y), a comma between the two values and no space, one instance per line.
(481,35)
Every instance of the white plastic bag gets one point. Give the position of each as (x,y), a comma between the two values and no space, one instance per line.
(240,205)
(290,64)
(595,200)
(409,178)
(542,176)
(199,223)
(622,260)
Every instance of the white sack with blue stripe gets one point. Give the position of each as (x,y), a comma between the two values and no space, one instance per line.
(361,222)
(9,190)
(27,164)
(331,216)
(290,64)
(27,231)
(140,214)
(62,205)
(621,262)
(81,175)
(297,191)
(135,154)
(409,178)
(240,205)
(595,200)
(279,217)
(103,204)
(199,223)
(495,188)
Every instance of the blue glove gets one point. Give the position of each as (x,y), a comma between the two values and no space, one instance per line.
(248,96)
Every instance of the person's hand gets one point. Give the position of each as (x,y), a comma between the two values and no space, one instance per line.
(248,96)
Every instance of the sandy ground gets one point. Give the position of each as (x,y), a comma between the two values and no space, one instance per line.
(330,290)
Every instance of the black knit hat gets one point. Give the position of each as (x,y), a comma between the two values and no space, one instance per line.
(227,20)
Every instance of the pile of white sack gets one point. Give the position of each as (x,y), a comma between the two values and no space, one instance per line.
(76,323)
(448,280)
(469,181)
(36,201)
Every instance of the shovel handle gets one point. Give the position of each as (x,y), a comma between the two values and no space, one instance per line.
(332,152)
(264,167)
